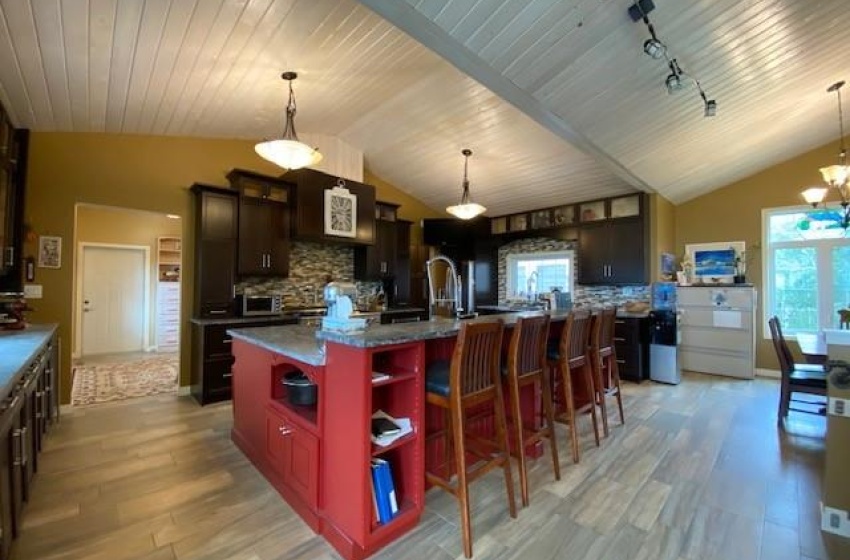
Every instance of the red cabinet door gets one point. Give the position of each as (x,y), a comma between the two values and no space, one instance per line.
(293,453)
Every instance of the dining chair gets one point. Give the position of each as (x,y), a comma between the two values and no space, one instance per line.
(796,378)
(471,381)
(527,366)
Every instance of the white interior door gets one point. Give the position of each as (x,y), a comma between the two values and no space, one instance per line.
(113,300)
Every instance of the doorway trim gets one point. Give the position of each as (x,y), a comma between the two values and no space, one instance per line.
(78,292)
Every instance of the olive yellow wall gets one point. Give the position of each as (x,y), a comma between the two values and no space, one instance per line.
(104,224)
(733,213)
(151,173)
(662,235)
(411,208)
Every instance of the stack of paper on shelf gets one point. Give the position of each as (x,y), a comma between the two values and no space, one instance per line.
(385,433)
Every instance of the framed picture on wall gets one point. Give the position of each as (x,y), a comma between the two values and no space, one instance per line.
(49,251)
(340,211)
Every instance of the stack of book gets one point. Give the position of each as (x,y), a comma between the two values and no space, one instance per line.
(386,429)
(383,491)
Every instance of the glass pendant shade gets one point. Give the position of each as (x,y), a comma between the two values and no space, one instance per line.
(467,209)
(815,195)
(835,175)
(288,152)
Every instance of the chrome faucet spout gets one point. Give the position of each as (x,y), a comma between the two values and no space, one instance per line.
(453,285)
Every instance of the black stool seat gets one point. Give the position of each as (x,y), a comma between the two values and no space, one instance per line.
(437,377)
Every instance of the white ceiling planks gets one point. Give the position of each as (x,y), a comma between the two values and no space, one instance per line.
(555,97)
(582,61)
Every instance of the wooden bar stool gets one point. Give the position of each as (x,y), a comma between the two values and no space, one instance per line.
(606,373)
(472,379)
(573,363)
(527,366)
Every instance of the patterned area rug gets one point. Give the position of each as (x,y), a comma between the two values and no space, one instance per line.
(100,383)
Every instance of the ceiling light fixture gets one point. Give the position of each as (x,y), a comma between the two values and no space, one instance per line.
(288,152)
(467,209)
(674,81)
(677,79)
(836,176)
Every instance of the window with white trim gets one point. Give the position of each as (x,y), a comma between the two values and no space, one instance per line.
(529,274)
(806,269)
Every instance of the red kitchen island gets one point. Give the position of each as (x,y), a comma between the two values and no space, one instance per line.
(318,456)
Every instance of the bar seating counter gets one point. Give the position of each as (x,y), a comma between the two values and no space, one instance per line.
(319,455)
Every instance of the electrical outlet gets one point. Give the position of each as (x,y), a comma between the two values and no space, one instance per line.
(835,521)
(839,407)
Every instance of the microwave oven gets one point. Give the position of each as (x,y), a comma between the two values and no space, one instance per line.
(252,305)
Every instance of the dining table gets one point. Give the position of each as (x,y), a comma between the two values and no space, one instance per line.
(813,347)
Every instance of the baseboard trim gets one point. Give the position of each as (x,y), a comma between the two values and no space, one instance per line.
(184,391)
(768,373)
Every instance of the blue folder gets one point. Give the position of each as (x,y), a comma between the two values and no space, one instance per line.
(382,481)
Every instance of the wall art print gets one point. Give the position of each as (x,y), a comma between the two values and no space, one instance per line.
(49,251)
(340,211)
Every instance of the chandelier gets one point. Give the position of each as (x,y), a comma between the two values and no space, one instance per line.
(467,209)
(288,152)
(835,176)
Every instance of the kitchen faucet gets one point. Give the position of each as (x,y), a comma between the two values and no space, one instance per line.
(453,286)
(531,284)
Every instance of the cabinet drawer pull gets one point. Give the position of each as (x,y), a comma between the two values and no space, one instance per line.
(217,312)
(619,339)
(284,431)
(226,375)
(17,447)
(621,361)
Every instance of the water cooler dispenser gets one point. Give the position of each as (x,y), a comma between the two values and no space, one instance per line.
(664,360)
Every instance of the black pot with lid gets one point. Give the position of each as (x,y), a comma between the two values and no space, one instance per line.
(299,389)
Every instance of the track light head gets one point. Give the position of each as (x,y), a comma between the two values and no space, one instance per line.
(654,48)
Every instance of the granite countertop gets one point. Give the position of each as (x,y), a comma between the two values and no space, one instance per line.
(298,342)
(17,348)
(306,344)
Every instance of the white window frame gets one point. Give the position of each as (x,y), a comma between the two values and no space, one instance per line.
(511,258)
(823,248)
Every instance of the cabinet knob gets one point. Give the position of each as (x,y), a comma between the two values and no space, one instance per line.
(284,431)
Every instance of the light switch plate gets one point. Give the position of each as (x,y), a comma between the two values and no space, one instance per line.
(32,291)
(839,407)
(835,521)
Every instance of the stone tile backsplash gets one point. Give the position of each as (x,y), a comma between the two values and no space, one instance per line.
(583,296)
(311,265)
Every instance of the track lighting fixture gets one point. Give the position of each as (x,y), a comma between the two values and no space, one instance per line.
(677,79)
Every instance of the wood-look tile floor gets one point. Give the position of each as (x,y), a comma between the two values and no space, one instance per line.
(699,471)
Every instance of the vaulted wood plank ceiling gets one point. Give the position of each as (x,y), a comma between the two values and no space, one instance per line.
(555,97)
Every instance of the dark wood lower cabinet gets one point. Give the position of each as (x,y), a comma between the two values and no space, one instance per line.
(631,340)
(212,358)
(25,416)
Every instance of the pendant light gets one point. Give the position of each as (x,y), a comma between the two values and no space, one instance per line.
(467,209)
(288,152)
(835,176)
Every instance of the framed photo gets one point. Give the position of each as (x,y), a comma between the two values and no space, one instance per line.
(340,212)
(49,251)
(714,263)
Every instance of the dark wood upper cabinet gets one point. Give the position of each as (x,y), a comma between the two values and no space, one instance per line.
(373,262)
(216,235)
(308,201)
(264,224)
(13,155)
(613,251)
